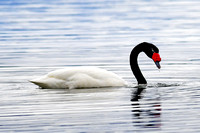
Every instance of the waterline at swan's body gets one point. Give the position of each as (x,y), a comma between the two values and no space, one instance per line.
(79,77)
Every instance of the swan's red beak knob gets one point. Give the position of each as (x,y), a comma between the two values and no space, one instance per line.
(156,58)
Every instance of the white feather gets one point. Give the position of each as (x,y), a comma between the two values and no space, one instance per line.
(79,77)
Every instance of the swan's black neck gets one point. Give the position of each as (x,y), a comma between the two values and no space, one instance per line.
(148,49)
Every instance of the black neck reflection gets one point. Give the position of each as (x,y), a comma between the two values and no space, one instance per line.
(146,114)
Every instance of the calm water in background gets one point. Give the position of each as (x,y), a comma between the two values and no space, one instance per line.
(40,36)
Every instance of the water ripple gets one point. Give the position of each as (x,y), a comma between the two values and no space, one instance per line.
(37,37)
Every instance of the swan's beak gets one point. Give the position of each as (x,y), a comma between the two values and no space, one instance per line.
(158,64)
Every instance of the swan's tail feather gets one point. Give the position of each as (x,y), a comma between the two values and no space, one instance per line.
(49,83)
(40,84)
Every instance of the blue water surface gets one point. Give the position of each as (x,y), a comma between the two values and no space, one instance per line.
(39,36)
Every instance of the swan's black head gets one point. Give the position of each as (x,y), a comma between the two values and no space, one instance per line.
(152,52)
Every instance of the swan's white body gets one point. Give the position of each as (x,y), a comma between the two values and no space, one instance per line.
(79,77)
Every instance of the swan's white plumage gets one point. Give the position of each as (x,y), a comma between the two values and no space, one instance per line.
(79,77)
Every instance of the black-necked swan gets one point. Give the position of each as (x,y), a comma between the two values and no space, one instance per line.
(92,77)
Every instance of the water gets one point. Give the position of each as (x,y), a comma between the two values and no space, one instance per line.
(39,36)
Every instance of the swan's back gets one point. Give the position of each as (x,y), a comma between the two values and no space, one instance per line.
(79,77)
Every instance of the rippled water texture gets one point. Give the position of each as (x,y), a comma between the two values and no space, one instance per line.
(40,36)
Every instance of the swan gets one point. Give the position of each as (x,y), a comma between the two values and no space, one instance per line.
(92,77)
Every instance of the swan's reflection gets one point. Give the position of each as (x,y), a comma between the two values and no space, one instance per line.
(146,113)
